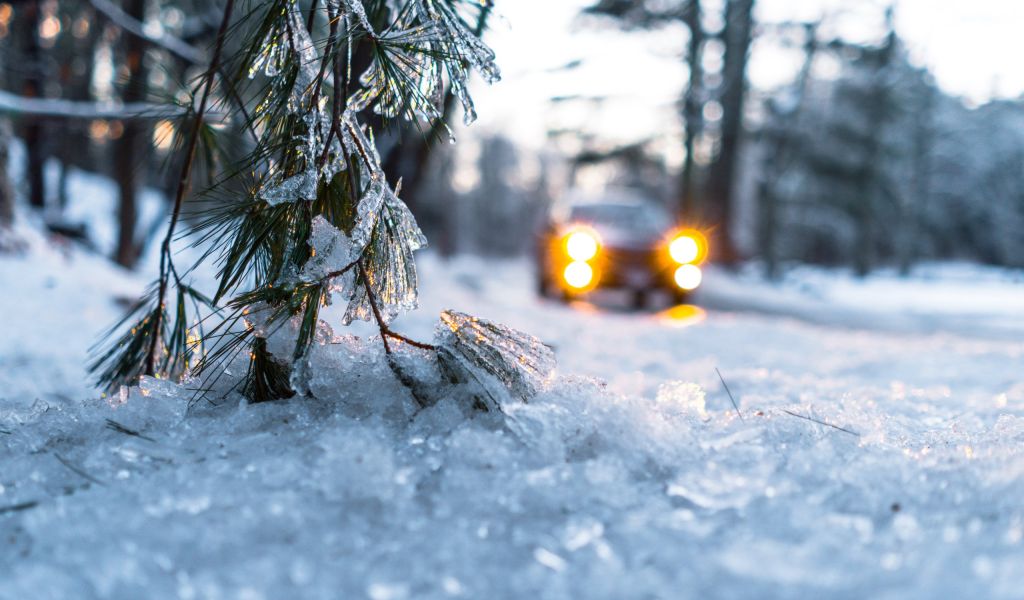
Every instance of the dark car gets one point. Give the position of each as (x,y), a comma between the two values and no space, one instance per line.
(618,243)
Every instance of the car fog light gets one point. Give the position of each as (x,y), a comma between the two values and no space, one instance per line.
(688,277)
(578,275)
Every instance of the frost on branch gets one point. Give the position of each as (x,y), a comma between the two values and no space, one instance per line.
(475,350)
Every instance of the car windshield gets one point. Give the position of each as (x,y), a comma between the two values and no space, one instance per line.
(639,218)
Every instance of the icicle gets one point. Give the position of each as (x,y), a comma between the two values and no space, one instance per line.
(356,8)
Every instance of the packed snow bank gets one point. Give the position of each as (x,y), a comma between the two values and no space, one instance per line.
(958,297)
(581,494)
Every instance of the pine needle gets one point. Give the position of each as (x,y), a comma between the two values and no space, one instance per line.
(820,422)
(76,470)
(727,391)
(115,426)
(19,507)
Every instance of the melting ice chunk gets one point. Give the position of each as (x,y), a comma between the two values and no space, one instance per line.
(520,362)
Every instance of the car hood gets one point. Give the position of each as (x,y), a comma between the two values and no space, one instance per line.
(617,237)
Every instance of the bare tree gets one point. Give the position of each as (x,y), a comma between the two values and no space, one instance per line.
(27,20)
(6,190)
(693,117)
(781,138)
(132,149)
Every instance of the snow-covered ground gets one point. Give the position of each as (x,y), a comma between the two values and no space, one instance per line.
(630,476)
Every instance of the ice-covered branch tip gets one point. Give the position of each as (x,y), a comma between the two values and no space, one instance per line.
(519,361)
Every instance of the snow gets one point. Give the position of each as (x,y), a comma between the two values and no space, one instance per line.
(629,475)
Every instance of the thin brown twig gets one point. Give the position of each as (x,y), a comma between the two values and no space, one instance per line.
(359,145)
(411,342)
(385,331)
(376,311)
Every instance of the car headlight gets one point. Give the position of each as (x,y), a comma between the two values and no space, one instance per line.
(688,277)
(684,249)
(581,245)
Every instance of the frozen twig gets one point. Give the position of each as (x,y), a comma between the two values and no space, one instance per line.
(385,331)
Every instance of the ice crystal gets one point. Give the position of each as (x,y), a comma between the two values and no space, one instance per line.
(357,142)
(520,362)
(415,89)
(301,186)
(356,8)
(389,267)
(425,30)
(332,250)
(320,155)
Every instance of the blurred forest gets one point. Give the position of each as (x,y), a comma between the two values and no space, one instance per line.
(860,161)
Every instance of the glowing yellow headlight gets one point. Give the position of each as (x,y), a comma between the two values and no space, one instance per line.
(578,275)
(684,249)
(581,246)
(688,277)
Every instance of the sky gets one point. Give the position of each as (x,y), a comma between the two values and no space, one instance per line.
(973,48)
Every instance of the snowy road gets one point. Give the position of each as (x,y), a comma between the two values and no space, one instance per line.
(647,487)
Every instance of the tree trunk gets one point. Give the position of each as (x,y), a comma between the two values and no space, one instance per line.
(692,111)
(721,178)
(76,82)
(6,190)
(131,151)
(32,87)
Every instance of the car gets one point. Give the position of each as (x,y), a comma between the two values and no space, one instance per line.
(618,242)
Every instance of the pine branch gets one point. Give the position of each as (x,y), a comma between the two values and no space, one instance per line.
(183,183)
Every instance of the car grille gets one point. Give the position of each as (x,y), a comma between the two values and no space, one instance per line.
(623,258)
